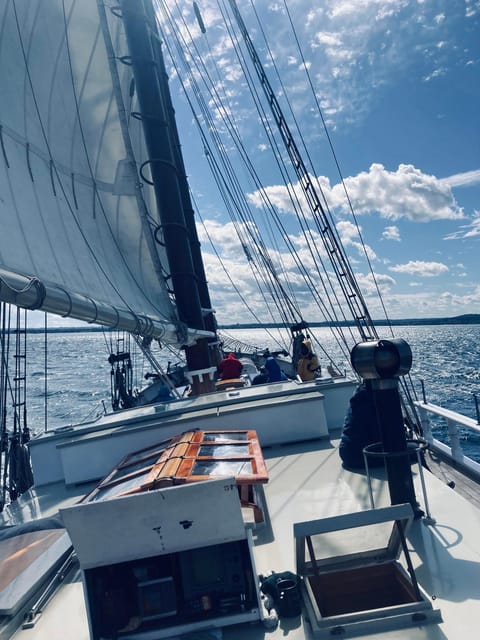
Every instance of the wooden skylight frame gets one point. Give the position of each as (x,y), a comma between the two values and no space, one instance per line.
(187,458)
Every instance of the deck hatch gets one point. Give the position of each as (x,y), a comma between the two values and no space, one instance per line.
(189,457)
(166,562)
(352,578)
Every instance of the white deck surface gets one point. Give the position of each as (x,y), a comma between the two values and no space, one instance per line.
(308,483)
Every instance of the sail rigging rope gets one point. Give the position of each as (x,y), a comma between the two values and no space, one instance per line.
(334,306)
(232,282)
(15,468)
(228,183)
(337,164)
(226,108)
(224,111)
(247,221)
(4,386)
(337,256)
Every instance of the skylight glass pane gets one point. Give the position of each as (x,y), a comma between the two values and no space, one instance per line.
(141,464)
(156,449)
(111,491)
(351,542)
(222,436)
(222,468)
(223,450)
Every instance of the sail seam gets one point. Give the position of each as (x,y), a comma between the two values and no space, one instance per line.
(46,157)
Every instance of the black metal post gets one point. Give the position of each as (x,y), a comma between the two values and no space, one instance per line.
(382,362)
(394,440)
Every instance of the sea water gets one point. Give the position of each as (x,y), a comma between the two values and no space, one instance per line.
(77,386)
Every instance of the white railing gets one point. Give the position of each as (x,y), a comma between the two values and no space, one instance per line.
(454,421)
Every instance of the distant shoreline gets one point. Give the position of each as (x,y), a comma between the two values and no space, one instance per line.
(470,318)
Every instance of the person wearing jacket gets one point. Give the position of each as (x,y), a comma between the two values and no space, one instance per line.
(275,374)
(230,367)
(361,428)
(308,362)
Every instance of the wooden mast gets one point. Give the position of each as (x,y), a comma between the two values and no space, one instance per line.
(195,247)
(167,176)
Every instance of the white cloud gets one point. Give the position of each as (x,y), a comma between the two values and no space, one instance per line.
(470,230)
(369,283)
(405,193)
(391,233)
(420,268)
(426,304)
(223,237)
(330,39)
(472,8)
(347,231)
(436,73)
(462,179)
(349,236)
(355,45)
(348,9)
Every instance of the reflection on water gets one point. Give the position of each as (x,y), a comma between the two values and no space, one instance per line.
(446,357)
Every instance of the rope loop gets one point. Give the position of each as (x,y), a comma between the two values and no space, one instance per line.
(117,11)
(126,60)
(156,235)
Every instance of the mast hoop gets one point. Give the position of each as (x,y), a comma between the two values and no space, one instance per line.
(159,228)
(151,161)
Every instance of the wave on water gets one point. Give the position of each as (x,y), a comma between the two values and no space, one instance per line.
(445,358)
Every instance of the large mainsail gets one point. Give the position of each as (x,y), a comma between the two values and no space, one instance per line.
(80,233)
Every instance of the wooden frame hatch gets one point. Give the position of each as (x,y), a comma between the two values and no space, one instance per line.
(192,456)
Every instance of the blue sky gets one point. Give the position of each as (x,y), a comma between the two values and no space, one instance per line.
(398,82)
(399,86)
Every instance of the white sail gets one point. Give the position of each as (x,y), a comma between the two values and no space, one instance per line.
(72,206)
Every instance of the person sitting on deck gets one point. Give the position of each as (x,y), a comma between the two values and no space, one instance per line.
(275,374)
(230,367)
(308,364)
(261,377)
(360,428)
